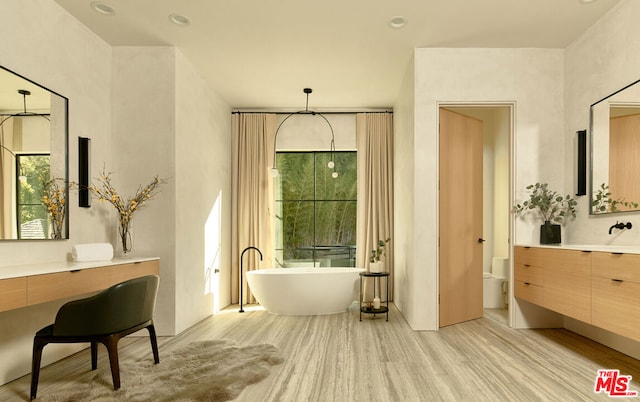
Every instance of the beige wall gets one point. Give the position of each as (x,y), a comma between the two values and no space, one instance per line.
(76,65)
(600,62)
(79,70)
(530,78)
(143,144)
(138,107)
(405,287)
(203,197)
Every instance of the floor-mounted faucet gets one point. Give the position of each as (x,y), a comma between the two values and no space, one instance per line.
(620,225)
(242,255)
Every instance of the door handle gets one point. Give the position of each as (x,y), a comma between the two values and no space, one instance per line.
(481,240)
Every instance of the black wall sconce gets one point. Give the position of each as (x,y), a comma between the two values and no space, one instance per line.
(581,168)
(84,151)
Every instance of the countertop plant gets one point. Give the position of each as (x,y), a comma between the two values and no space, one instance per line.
(547,204)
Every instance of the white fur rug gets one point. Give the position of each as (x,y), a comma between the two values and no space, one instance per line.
(202,371)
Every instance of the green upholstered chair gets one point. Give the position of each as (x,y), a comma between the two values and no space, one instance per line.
(105,318)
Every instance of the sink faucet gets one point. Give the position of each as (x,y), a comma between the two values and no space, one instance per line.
(242,255)
(620,225)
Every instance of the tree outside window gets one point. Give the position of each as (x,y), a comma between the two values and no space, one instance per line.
(32,171)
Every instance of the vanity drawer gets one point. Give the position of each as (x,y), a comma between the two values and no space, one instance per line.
(616,306)
(13,293)
(60,285)
(567,284)
(529,256)
(625,267)
(529,292)
(529,273)
(124,272)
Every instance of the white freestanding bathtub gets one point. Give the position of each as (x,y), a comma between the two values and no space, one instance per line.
(305,291)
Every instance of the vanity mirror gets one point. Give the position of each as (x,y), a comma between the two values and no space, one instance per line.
(33,152)
(615,146)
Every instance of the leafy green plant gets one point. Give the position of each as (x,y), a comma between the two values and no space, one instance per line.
(378,251)
(549,204)
(602,201)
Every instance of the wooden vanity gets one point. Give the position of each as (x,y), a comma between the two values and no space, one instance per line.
(600,288)
(27,285)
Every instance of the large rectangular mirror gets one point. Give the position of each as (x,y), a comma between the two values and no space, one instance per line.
(33,160)
(615,152)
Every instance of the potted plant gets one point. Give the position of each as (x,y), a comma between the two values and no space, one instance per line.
(375,265)
(552,207)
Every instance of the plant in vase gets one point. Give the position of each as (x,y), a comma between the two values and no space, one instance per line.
(375,265)
(552,207)
(106,192)
(54,198)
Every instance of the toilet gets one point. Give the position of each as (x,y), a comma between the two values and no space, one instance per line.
(495,284)
(492,296)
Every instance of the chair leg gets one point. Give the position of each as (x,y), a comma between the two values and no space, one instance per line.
(111,342)
(154,343)
(38,345)
(94,355)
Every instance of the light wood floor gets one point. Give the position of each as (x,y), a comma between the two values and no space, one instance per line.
(338,358)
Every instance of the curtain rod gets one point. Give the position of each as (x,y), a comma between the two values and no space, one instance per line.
(310,112)
(22,114)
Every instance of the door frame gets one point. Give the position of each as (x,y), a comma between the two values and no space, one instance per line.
(511,105)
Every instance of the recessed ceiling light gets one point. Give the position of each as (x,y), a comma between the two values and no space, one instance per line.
(103,8)
(179,19)
(398,22)
(586,1)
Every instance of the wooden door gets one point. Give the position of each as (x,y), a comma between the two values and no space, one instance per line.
(624,162)
(460,219)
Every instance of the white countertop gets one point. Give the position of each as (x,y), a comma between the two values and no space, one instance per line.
(17,271)
(607,248)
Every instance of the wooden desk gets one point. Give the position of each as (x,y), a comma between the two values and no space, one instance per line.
(27,285)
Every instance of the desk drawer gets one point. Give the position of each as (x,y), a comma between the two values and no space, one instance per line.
(124,272)
(48,287)
(13,293)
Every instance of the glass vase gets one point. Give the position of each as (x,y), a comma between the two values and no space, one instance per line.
(125,239)
(56,228)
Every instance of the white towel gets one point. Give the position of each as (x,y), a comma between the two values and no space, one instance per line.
(92,252)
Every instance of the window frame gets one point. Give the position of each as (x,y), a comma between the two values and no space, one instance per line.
(18,192)
(315,249)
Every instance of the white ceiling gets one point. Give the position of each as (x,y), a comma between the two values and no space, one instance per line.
(262,53)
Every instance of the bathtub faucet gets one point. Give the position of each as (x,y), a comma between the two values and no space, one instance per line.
(241,258)
(620,225)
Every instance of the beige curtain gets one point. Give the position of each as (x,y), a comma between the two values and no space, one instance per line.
(252,196)
(7,181)
(374,142)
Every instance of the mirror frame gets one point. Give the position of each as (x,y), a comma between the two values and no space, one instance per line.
(65,235)
(591,152)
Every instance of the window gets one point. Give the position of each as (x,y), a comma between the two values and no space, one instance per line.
(316,213)
(32,171)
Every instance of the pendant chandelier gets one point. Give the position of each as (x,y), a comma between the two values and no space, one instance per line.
(331,164)
(24,113)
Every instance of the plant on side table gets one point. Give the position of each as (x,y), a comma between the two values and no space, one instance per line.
(552,207)
(375,265)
